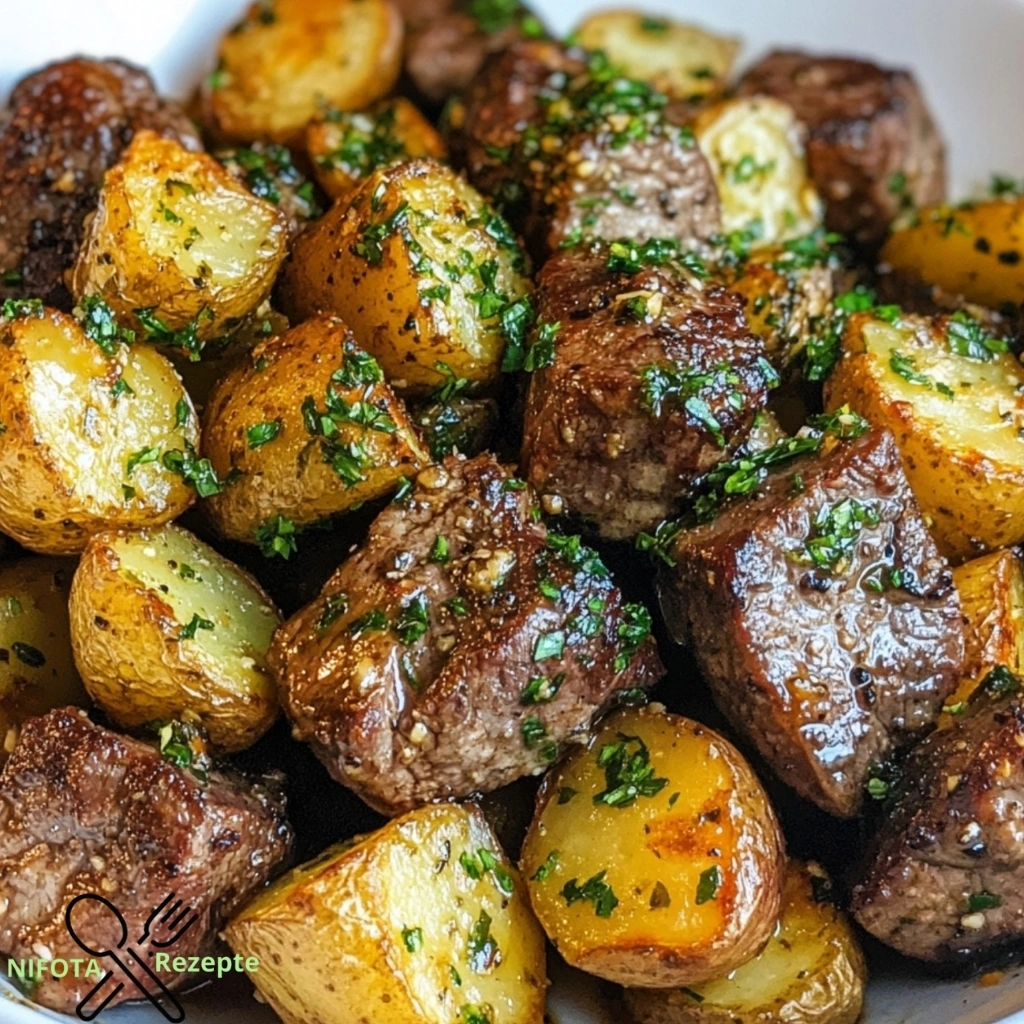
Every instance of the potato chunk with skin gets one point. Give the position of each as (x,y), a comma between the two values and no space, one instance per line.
(422,921)
(165,628)
(682,61)
(288,57)
(954,399)
(37,669)
(176,235)
(811,972)
(309,428)
(346,147)
(654,857)
(420,268)
(84,435)
(975,250)
(756,151)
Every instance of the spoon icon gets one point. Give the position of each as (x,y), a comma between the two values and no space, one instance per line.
(91,909)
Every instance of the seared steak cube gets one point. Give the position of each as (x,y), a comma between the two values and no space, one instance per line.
(824,618)
(655,377)
(572,151)
(85,810)
(944,879)
(873,147)
(460,647)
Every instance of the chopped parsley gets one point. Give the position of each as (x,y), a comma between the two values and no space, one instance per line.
(440,551)
(121,388)
(334,607)
(544,872)
(412,939)
(276,537)
(691,390)
(978,902)
(594,889)
(483,949)
(998,683)
(629,257)
(20,309)
(412,622)
(540,689)
(100,325)
(374,621)
(262,433)
(966,337)
(368,141)
(633,630)
(156,331)
(835,531)
(188,632)
(708,884)
(628,772)
(906,367)
(183,745)
(371,242)
(535,737)
(549,645)
(198,473)
(141,458)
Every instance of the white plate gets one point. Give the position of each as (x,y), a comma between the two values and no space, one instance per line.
(969,55)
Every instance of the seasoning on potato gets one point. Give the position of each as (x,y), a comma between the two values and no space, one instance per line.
(654,857)
(164,628)
(94,433)
(424,920)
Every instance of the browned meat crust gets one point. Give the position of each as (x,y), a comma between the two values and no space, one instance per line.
(432,669)
(85,810)
(825,670)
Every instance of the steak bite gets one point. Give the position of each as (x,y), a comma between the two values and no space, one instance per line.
(944,877)
(654,377)
(873,146)
(821,613)
(571,151)
(460,647)
(85,810)
(66,126)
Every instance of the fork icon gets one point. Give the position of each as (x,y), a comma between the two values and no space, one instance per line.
(172,925)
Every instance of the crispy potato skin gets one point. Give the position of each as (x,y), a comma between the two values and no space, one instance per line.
(37,669)
(711,815)
(275,71)
(64,453)
(288,475)
(175,230)
(130,642)
(976,252)
(962,454)
(811,972)
(68,124)
(337,937)
(346,147)
(425,215)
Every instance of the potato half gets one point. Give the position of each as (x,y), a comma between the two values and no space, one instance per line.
(346,147)
(954,399)
(83,434)
(37,670)
(178,244)
(682,61)
(654,858)
(975,250)
(308,427)
(421,269)
(423,921)
(756,151)
(287,58)
(811,972)
(165,628)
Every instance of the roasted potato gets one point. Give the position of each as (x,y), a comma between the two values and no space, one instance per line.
(974,250)
(422,270)
(346,147)
(654,857)
(178,247)
(163,627)
(37,670)
(88,440)
(811,972)
(307,428)
(680,60)
(756,151)
(991,592)
(286,58)
(424,920)
(954,399)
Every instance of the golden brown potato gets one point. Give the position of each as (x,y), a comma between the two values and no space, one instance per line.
(975,250)
(346,147)
(654,858)
(165,628)
(287,58)
(991,592)
(88,440)
(756,150)
(307,428)
(37,670)
(811,972)
(423,921)
(953,397)
(421,269)
(680,60)
(178,247)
